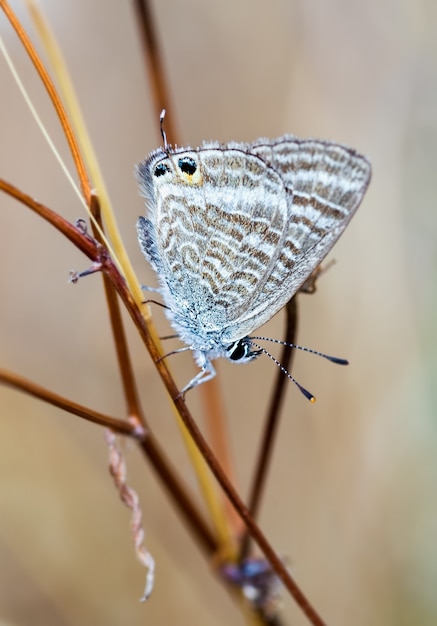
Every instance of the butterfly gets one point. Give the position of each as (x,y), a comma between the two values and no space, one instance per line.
(233,231)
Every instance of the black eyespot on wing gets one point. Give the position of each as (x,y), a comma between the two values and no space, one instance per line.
(187,165)
(161,169)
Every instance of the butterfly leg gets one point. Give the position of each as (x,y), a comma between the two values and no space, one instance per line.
(74,276)
(154,289)
(207,373)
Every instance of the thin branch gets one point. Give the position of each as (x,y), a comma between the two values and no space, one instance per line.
(53,95)
(152,55)
(175,489)
(167,476)
(99,254)
(134,409)
(213,464)
(122,427)
(178,495)
(225,521)
(66,89)
(272,421)
(85,244)
(96,253)
(256,533)
(254,530)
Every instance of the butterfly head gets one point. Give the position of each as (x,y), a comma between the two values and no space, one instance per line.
(241,351)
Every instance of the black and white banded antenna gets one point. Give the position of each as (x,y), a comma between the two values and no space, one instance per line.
(302,389)
(163,133)
(333,359)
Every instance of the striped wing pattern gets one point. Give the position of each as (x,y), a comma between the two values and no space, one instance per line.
(233,239)
(325,183)
(216,238)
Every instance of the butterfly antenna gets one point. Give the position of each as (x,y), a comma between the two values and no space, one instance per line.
(163,133)
(333,359)
(308,395)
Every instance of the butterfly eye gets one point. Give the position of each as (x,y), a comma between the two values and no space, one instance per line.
(187,165)
(238,350)
(161,169)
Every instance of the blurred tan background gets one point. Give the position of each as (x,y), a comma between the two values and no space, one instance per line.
(352,493)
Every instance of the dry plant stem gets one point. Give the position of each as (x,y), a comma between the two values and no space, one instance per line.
(212,400)
(83,140)
(272,421)
(255,531)
(85,244)
(228,524)
(153,61)
(149,446)
(48,84)
(176,490)
(148,443)
(98,255)
(134,409)
(119,426)
(129,497)
(188,511)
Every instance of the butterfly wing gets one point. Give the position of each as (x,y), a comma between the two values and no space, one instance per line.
(219,215)
(236,229)
(325,183)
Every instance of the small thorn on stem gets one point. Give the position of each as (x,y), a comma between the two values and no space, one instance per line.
(74,276)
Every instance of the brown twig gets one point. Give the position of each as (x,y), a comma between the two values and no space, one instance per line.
(256,533)
(133,405)
(85,244)
(212,398)
(90,249)
(221,477)
(98,254)
(54,97)
(272,422)
(148,444)
(153,61)
(123,427)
